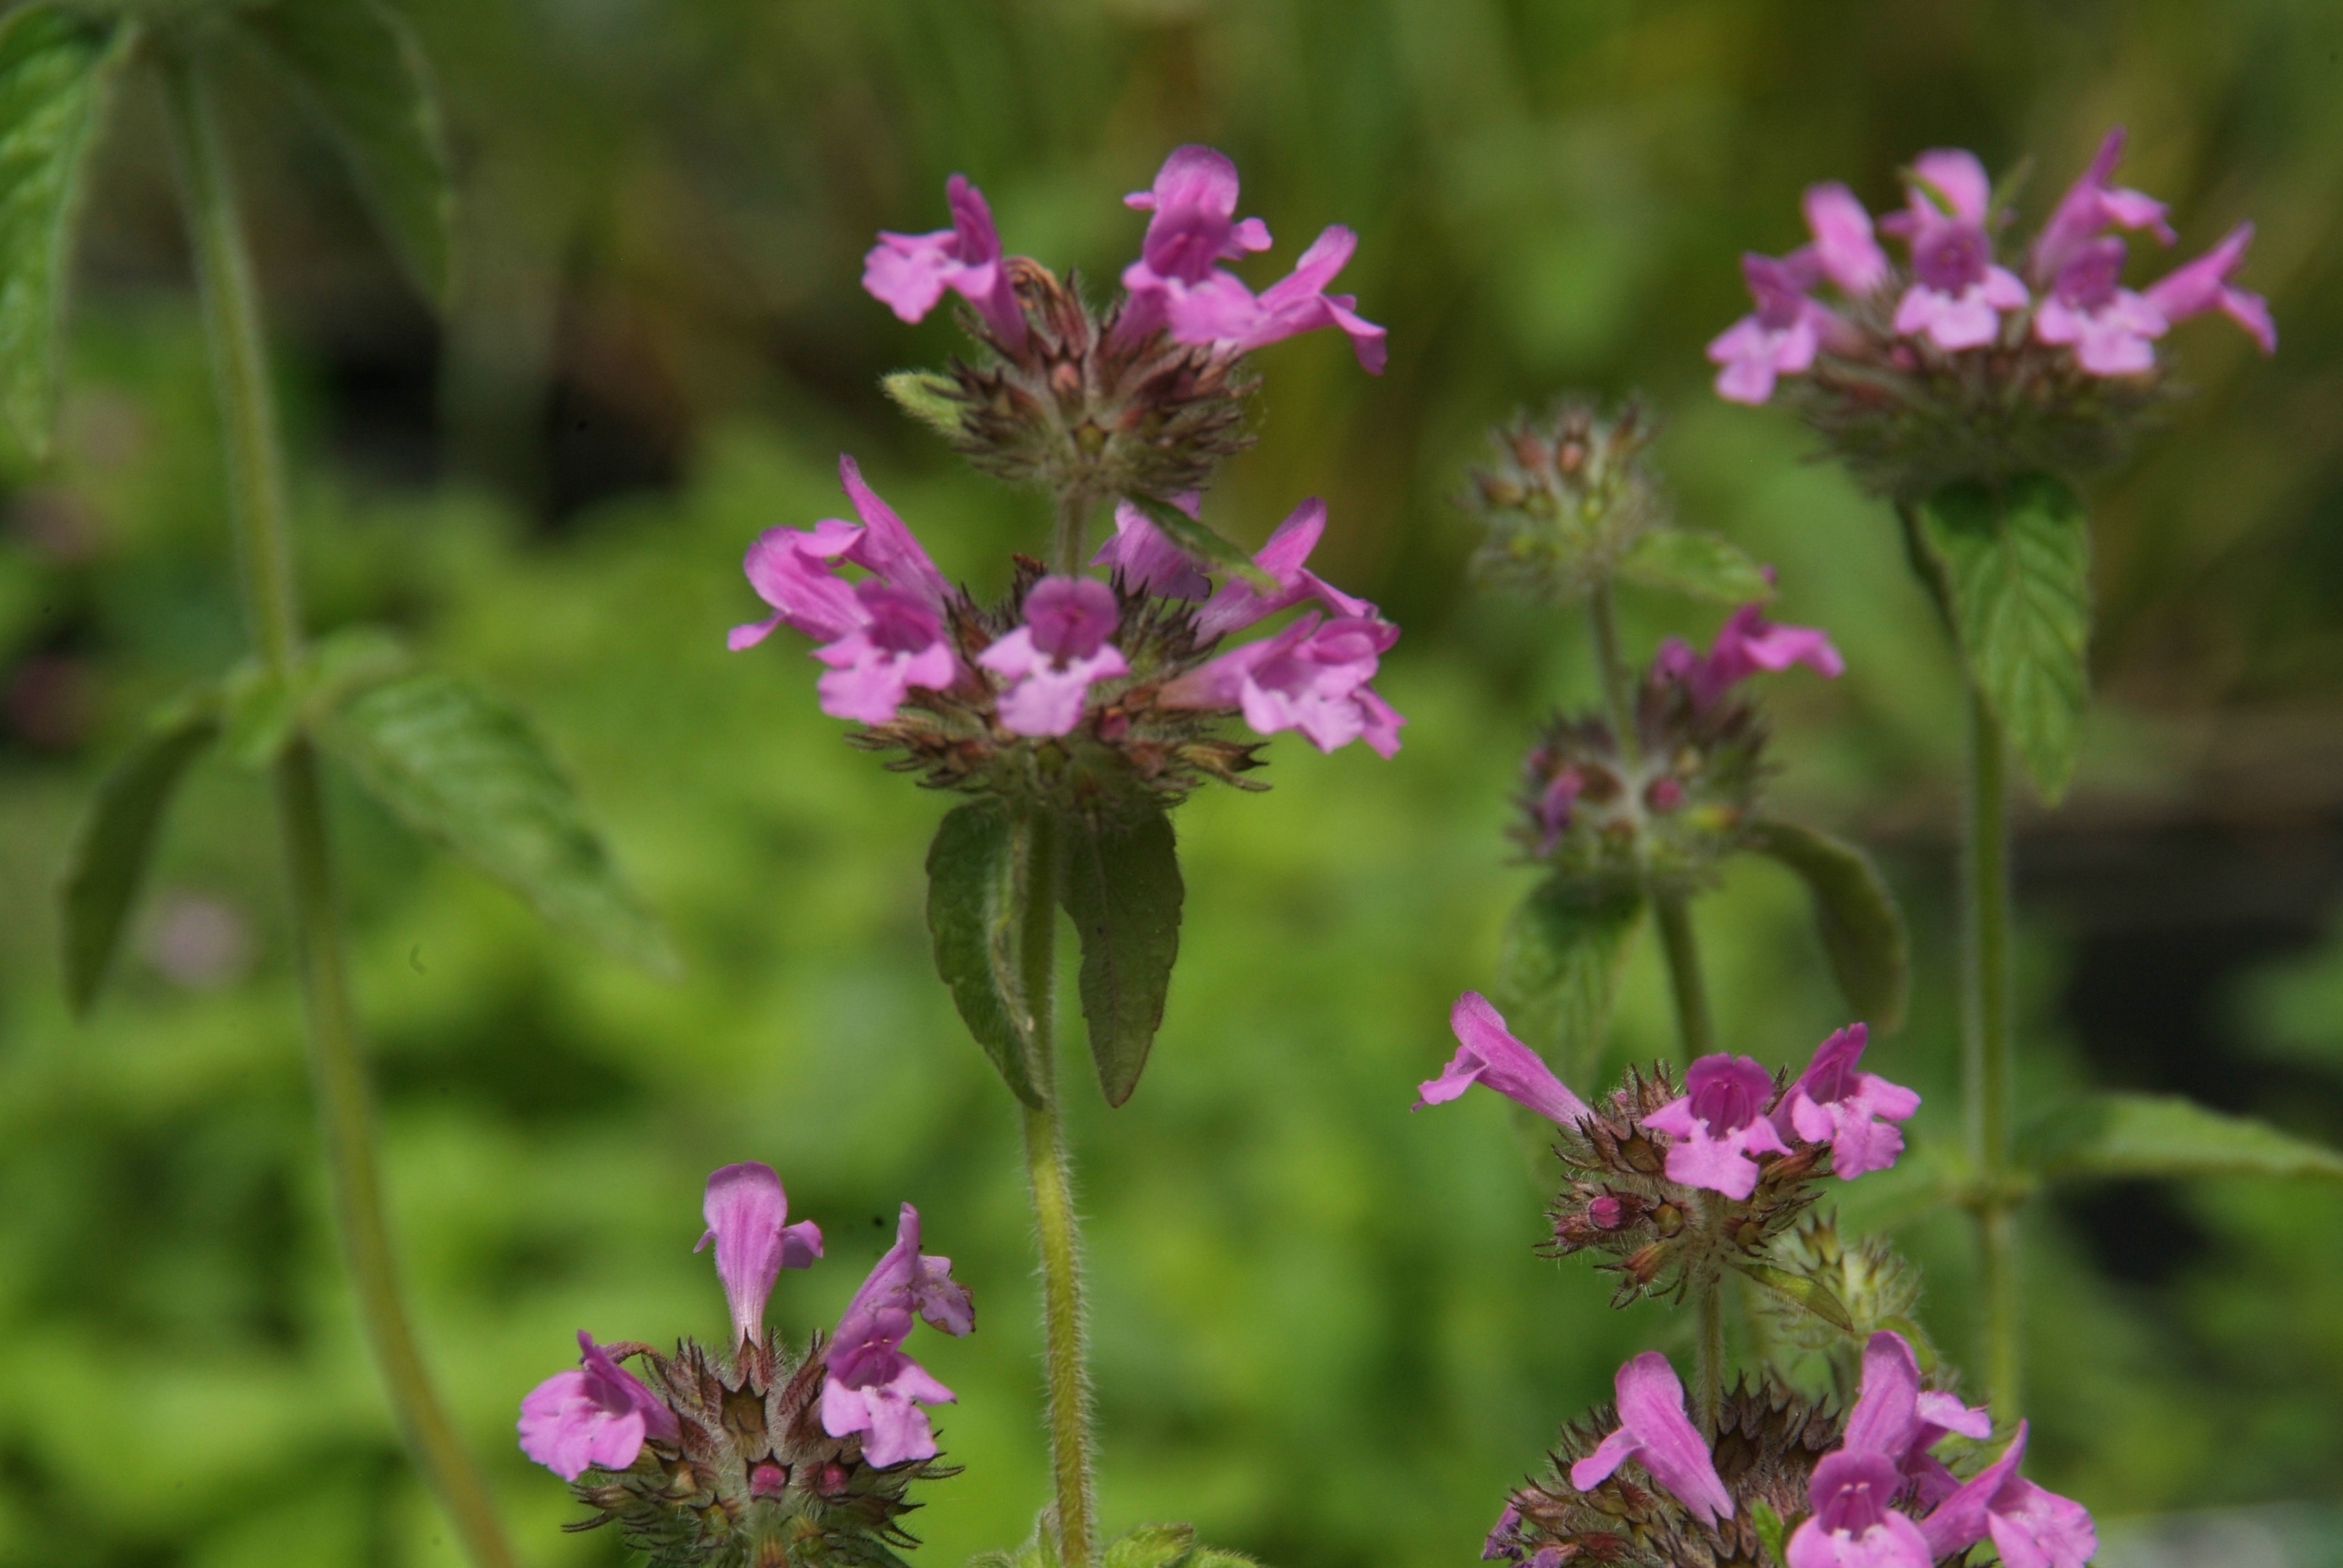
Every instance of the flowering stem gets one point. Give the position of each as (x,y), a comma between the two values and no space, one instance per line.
(1618,689)
(1066,543)
(1049,1171)
(265,557)
(1708,1362)
(1987,1045)
(1693,1026)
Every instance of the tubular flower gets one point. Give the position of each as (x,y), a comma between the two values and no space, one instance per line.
(596,1417)
(1655,1431)
(1237,604)
(2203,285)
(2031,1527)
(1957,291)
(1487,1054)
(1894,1416)
(2089,208)
(1780,337)
(1852,1525)
(909,272)
(2111,329)
(1853,1112)
(748,1218)
(1719,1125)
(1843,247)
(1146,562)
(1310,677)
(873,1387)
(1051,660)
(1746,643)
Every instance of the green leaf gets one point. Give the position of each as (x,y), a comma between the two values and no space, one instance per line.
(55,71)
(1558,970)
(2135,1135)
(1205,543)
(264,711)
(977,891)
(1122,889)
(115,839)
(1862,929)
(1694,561)
(466,771)
(367,75)
(926,397)
(2016,562)
(1800,1290)
(1769,1525)
(1150,1546)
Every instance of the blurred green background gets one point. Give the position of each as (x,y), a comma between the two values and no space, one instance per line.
(1320,1330)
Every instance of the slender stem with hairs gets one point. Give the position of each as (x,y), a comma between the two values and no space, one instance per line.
(1051,1174)
(1987,1047)
(1067,540)
(231,310)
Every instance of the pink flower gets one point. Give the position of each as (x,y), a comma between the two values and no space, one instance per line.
(1238,604)
(1852,1111)
(1147,561)
(1718,1124)
(2112,330)
(1852,1525)
(881,637)
(870,1385)
(1894,1416)
(1655,1431)
(2031,1527)
(2089,208)
(1051,659)
(1746,643)
(1958,292)
(1175,280)
(909,272)
(1553,805)
(1842,245)
(1780,337)
(1487,1054)
(1309,676)
(748,1218)
(595,1417)
(2202,285)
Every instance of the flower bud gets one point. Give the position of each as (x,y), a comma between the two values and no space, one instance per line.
(1568,495)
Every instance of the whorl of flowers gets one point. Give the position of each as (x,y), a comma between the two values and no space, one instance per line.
(1967,358)
(1564,499)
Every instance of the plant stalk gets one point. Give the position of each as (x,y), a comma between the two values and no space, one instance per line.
(1049,1172)
(1618,686)
(1708,1363)
(1693,1027)
(1988,1046)
(1067,540)
(263,547)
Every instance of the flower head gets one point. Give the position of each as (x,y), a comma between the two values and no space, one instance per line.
(748,1218)
(909,272)
(1719,1124)
(1051,660)
(1957,291)
(1310,677)
(1487,1054)
(597,1416)
(1852,1525)
(1655,1431)
(1194,204)
(1852,1111)
(870,1385)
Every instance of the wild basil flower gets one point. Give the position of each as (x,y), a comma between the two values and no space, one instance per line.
(1851,1524)
(2089,208)
(1176,279)
(1746,644)
(1844,248)
(1146,562)
(747,1219)
(1310,677)
(1655,1431)
(1488,1054)
(2203,285)
(1894,1416)
(871,1386)
(1051,659)
(1719,1125)
(597,1416)
(2031,1526)
(909,272)
(1957,291)
(1853,1112)
(1780,337)
(1237,604)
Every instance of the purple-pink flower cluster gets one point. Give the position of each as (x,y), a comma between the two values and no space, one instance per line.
(1953,294)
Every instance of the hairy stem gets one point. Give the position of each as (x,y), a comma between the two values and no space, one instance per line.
(1618,686)
(263,547)
(1049,1172)
(1693,1026)
(1987,1045)
(1066,543)
(1708,1361)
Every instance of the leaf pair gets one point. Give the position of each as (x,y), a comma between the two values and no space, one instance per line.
(1564,948)
(451,762)
(2012,564)
(995,874)
(356,61)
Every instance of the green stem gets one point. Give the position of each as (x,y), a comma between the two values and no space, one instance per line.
(1677,940)
(1987,1045)
(231,310)
(1618,686)
(1050,1175)
(1066,542)
(1708,1363)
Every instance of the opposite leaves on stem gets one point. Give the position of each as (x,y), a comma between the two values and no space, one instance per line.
(1122,889)
(2015,560)
(977,891)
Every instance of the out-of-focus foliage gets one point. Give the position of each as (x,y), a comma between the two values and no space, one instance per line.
(1320,1330)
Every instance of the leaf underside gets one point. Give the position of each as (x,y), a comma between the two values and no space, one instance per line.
(2015,560)
(112,844)
(467,773)
(1861,928)
(977,880)
(1558,971)
(2144,1135)
(1695,562)
(1122,889)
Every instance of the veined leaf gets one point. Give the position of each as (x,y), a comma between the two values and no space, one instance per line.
(1204,543)
(361,66)
(2137,1135)
(1862,929)
(1150,1546)
(1696,562)
(2016,561)
(466,771)
(1799,1291)
(1122,889)
(55,69)
(1558,971)
(114,840)
(263,711)
(977,891)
